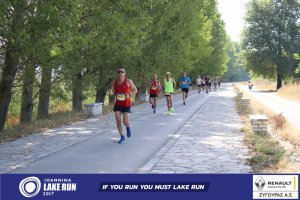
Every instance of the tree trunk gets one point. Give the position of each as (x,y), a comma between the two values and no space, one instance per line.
(44,96)
(279,81)
(77,96)
(102,91)
(11,60)
(100,94)
(27,93)
(6,83)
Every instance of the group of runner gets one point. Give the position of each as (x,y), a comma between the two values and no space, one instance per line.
(122,87)
(205,84)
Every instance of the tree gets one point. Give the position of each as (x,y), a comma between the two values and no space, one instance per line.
(271,37)
(12,34)
(236,71)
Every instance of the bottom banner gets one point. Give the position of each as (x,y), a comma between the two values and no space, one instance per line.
(148,186)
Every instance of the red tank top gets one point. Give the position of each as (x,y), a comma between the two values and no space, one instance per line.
(120,91)
(154,87)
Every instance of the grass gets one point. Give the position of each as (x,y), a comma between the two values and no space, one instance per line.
(265,151)
(291,92)
(264,85)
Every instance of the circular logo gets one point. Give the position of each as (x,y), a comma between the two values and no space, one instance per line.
(29,187)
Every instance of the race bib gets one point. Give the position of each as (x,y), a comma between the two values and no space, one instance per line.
(121,97)
(185,82)
(154,87)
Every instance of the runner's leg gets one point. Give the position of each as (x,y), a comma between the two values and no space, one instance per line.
(168,102)
(118,120)
(126,119)
(155,99)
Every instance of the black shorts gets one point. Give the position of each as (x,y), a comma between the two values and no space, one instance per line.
(153,95)
(186,90)
(122,109)
(199,85)
(202,85)
(167,95)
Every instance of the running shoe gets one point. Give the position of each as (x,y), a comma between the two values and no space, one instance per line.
(122,140)
(128,131)
(172,109)
(152,106)
(183,103)
(154,111)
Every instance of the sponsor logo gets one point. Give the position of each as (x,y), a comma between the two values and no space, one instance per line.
(260,183)
(275,186)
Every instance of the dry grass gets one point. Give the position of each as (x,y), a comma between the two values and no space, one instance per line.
(279,121)
(264,85)
(291,92)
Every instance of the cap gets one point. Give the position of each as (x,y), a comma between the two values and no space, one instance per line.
(168,73)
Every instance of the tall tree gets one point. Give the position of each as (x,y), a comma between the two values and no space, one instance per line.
(271,37)
(12,34)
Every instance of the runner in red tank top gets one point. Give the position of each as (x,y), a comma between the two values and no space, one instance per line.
(154,91)
(121,88)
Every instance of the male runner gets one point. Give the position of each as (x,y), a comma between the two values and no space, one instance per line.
(121,88)
(185,84)
(154,90)
(198,83)
(215,84)
(207,82)
(169,85)
(203,84)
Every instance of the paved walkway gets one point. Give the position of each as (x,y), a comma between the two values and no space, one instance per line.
(201,137)
(208,143)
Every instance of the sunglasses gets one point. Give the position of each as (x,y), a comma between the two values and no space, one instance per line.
(121,72)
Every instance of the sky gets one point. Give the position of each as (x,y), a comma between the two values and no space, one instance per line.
(232,12)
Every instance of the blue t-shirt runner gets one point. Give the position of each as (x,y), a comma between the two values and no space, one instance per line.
(185,84)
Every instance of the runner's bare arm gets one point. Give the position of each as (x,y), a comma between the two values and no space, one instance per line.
(132,86)
(159,86)
(174,83)
(112,90)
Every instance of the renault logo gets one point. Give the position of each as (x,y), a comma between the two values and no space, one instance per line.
(260,183)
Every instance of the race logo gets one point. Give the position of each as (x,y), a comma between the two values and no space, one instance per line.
(30,187)
(260,183)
